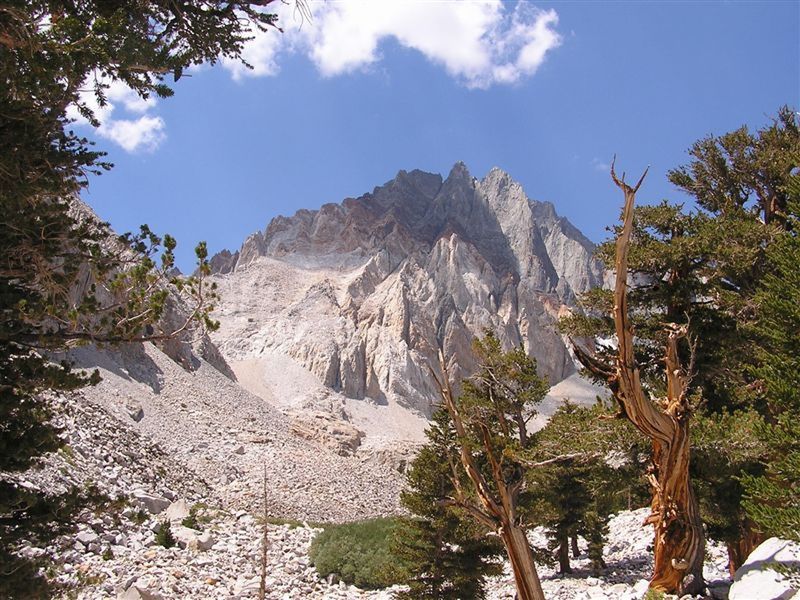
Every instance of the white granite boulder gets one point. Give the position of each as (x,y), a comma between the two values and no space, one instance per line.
(757,578)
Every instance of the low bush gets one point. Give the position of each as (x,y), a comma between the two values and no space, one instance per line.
(164,535)
(358,553)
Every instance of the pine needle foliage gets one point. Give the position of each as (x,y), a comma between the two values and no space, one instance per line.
(446,555)
(702,269)
(65,279)
(773,498)
(589,466)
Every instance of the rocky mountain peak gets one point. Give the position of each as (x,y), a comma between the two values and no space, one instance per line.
(366,292)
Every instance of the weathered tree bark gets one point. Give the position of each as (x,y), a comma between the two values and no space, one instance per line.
(523,566)
(675,515)
(497,510)
(738,551)
(576,552)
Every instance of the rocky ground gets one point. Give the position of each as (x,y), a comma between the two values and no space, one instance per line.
(159,441)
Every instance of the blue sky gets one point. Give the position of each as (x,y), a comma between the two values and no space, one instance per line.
(546,91)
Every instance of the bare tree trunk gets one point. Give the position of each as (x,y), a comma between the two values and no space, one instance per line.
(739,550)
(576,552)
(522,564)
(262,588)
(679,537)
(563,553)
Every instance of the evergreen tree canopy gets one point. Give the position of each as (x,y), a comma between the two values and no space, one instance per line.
(773,498)
(489,420)
(589,465)
(447,554)
(50,51)
(701,270)
(64,278)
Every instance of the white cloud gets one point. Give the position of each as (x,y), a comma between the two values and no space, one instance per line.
(480,42)
(144,133)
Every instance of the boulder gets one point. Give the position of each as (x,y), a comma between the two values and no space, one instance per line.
(177,511)
(326,429)
(192,539)
(758,579)
(152,504)
(87,537)
(135,411)
(139,593)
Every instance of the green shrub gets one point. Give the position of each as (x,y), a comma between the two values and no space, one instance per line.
(164,535)
(191,520)
(358,553)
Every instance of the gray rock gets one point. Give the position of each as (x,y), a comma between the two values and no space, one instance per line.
(321,427)
(152,504)
(177,511)
(191,539)
(757,578)
(135,411)
(87,537)
(135,592)
(430,264)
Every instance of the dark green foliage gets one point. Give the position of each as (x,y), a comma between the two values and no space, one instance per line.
(64,279)
(447,555)
(595,530)
(61,279)
(725,446)
(50,50)
(164,535)
(590,466)
(358,553)
(445,558)
(703,269)
(740,170)
(773,498)
(191,520)
(477,448)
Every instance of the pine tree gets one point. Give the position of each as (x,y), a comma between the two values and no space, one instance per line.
(773,498)
(490,420)
(585,465)
(447,555)
(64,279)
(700,270)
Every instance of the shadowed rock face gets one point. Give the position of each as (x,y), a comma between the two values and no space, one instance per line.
(364,293)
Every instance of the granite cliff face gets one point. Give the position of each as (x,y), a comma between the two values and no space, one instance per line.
(364,293)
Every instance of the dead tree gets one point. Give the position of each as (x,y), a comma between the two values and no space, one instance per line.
(679,538)
(497,497)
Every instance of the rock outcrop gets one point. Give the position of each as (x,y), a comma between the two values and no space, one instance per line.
(364,293)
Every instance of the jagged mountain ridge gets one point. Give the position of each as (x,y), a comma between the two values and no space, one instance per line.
(364,293)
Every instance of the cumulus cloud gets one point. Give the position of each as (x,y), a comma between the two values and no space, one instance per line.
(480,43)
(144,133)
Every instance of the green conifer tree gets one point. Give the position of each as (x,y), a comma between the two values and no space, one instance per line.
(585,465)
(448,555)
(773,498)
(701,270)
